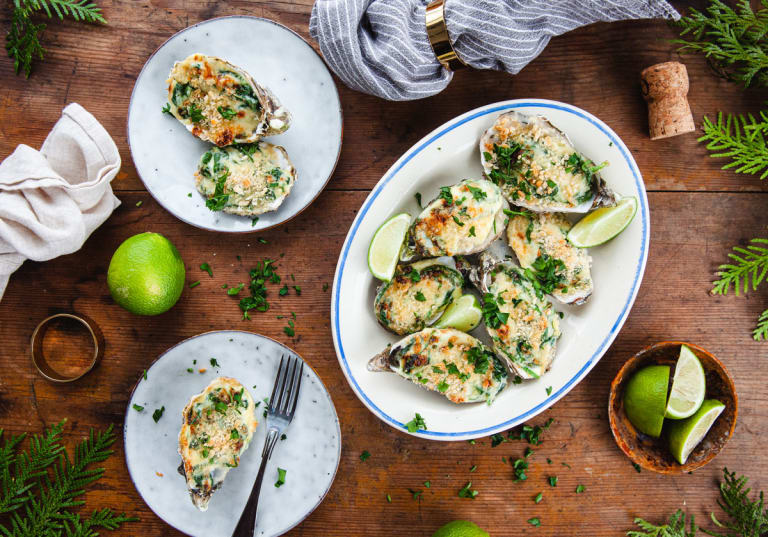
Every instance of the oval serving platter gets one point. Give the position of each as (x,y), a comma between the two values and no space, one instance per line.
(444,157)
(166,155)
(310,452)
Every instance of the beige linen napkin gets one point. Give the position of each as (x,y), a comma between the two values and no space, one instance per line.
(51,200)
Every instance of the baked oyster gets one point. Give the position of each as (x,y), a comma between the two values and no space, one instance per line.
(445,361)
(245,179)
(416,296)
(537,167)
(521,322)
(220,103)
(540,243)
(217,427)
(464,219)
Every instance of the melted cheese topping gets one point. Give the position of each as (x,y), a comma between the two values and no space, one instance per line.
(218,425)
(463,225)
(415,298)
(539,234)
(541,175)
(251,178)
(450,362)
(529,335)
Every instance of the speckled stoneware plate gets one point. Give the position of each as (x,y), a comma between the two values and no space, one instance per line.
(310,453)
(166,154)
(445,156)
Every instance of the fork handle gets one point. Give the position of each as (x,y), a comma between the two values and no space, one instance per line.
(247,522)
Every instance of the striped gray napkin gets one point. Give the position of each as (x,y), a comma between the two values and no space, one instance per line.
(381,47)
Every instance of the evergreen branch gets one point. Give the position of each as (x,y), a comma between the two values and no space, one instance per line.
(740,138)
(750,267)
(80,10)
(733,41)
(761,331)
(746,518)
(675,528)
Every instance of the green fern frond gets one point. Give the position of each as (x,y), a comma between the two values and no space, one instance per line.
(761,331)
(748,270)
(675,528)
(741,139)
(80,10)
(746,518)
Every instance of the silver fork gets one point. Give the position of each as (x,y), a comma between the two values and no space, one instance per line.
(282,406)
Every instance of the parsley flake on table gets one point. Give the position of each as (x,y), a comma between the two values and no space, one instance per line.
(283,290)
(467,491)
(534,521)
(538,497)
(138,203)
(580,489)
(552,480)
(417,423)
(158,413)
(637,467)
(232,291)
(325,287)
(137,408)
(297,289)
(520,466)
(364,456)
(290,329)
(415,493)
(389,498)
(474,467)
(427,484)
(214,362)
(194,284)
(280,477)
(207,268)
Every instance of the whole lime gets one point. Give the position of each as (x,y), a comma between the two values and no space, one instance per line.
(146,274)
(645,399)
(460,528)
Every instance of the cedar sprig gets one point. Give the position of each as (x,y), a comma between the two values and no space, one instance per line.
(733,40)
(675,528)
(23,39)
(740,138)
(748,270)
(41,488)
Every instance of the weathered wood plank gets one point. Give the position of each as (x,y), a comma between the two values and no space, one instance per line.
(691,233)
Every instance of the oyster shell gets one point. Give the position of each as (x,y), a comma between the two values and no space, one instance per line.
(416,296)
(540,243)
(221,103)
(537,167)
(445,361)
(464,219)
(523,325)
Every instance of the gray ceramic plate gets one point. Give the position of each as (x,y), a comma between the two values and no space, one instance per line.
(166,154)
(310,453)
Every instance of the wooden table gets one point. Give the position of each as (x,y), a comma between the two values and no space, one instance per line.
(697,210)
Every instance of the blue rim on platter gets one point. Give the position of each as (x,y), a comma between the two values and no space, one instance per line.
(441,131)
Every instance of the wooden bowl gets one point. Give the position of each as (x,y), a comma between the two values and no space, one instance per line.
(653,453)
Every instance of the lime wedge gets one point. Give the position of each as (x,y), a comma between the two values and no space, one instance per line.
(688,387)
(685,435)
(463,314)
(645,399)
(603,224)
(384,250)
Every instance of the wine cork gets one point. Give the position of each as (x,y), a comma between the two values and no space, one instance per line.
(665,87)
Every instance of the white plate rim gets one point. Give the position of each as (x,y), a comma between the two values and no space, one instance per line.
(255,229)
(288,349)
(422,144)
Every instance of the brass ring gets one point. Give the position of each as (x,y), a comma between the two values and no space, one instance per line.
(39,360)
(437,32)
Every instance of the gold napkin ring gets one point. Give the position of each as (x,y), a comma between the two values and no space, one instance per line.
(38,357)
(437,32)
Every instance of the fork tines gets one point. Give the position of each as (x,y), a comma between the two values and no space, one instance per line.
(285,394)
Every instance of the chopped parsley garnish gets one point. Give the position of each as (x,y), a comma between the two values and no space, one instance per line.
(531,434)
(580,489)
(138,203)
(207,268)
(491,314)
(167,109)
(415,493)
(248,150)
(214,362)
(467,491)
(138,408)
(520,466)
(442,387)
(190,370)
(477,193)
(497,439)
(552,480)
(427,484)
(534,521)
(220,198)
(458,222)
(414,275)
(472,232)
(637,467)
(220,407)
(145,374)
(232,291)
(283,290)
(538,497)
(546,274)
(479,358)
(195,114)
(254,220)
(389,498)
(417,195)
(192,285)
(417,423)
(420,296)
(280,477)
(158,413)
(364,456)
(566,465)
(226,112)
(549,390)
(262,273)
(474,466)
(234,435)
(446,195)
(297,289)
(578,164)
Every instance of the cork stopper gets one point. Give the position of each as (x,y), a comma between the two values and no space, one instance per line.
(665,87)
